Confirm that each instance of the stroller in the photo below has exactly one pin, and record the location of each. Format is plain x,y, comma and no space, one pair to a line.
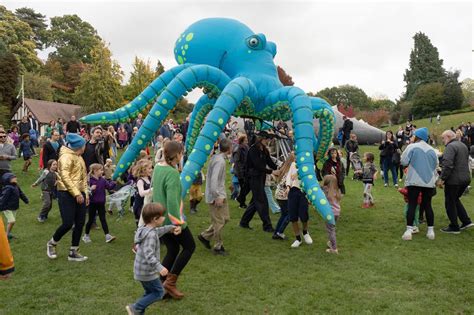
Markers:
120,197
356,165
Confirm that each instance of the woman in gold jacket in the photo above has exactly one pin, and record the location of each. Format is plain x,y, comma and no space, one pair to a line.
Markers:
73,198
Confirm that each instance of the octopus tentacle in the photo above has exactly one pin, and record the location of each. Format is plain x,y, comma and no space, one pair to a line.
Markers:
302,118
200,111
139,103
231,97
323,111
211,78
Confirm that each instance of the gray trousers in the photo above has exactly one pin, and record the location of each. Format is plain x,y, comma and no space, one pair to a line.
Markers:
47,197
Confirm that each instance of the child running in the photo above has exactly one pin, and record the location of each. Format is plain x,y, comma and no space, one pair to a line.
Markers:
142,172
281,196
10,200
98,186
47,180
333,194
369,175
147,267
27,150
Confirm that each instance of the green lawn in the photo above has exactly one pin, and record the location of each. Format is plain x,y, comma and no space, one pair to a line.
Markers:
375,272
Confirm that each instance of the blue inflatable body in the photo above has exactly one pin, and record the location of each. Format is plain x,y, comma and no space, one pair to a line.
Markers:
235,68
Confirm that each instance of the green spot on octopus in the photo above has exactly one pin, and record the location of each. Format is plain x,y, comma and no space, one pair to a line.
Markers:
189,37
215,133
220,121
305,169
157,113
186,46
323,201
329,217
187,178
122,166
307,154
302,159
164,101
103,117
180,60
140,142
183,52
143,136
207,147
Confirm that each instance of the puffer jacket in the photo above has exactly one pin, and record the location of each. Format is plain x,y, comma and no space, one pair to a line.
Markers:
72,172
455,164
11,194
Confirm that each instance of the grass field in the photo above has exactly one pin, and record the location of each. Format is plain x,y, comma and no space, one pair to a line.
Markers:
375,272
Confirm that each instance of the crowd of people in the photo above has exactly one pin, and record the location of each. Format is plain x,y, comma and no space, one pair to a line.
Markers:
77,165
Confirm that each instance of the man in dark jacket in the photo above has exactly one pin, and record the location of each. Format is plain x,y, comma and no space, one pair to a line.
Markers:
51,148
239,158
97,150
73,125
455,176
346,130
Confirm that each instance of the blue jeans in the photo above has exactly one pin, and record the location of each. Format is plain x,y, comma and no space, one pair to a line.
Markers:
284,217
389,165
153,292
271,202
236,191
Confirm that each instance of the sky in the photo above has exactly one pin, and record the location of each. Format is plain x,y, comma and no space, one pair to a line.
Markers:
320,44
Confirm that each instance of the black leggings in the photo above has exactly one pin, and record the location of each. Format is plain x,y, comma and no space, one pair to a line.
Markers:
426,195
174,260
72,214
100,209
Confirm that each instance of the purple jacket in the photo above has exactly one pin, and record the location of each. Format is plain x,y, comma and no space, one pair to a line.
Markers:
98,194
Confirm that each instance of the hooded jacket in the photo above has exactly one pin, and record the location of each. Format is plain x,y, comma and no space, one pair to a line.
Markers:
72,172
11,194
147,260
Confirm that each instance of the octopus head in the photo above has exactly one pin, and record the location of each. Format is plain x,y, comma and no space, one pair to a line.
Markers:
226,44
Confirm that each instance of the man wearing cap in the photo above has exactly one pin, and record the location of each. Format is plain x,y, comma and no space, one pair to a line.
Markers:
73,198
97,150
421,160
455,176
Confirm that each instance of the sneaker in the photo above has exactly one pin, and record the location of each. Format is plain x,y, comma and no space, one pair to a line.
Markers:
130,309
243,206
296,244
110,211
407,236
86,239
307,239
466,226
51,250
364,206
396,185
385,185
269,230
109,238
450,230
75,256
415,230
221,251
279,236
328,244
10,236
332,251
193,211
41,219
430,234
204,242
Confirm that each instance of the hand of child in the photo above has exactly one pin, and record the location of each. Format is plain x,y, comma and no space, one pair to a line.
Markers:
93,187
164,272
219,202
177,230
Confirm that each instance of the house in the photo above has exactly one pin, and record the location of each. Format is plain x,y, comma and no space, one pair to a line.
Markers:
45,111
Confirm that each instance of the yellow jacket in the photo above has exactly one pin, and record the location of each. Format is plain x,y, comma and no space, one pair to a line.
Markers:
72,172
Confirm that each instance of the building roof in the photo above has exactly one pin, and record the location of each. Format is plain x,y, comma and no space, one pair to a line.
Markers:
45,111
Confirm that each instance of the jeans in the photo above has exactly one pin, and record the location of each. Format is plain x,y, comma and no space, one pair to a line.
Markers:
153,292
271,202
236,191
389,165
284,217
72,214
454,207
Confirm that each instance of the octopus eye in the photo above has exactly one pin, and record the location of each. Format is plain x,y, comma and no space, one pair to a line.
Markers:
253,42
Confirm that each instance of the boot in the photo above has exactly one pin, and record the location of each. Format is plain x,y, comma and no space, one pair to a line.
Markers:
192,205
170,286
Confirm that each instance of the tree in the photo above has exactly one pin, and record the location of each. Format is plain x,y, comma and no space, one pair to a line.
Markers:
453,95
73,39
468,91
37,22
9,73
425,65
382,104
19,40
99,88
159,69
428,99
38,87
284,77
346,95
141,76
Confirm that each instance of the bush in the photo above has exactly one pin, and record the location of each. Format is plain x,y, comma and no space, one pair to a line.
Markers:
375,118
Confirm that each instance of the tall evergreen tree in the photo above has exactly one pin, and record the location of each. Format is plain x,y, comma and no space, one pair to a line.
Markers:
425,65
453,94
37,22
9,73
99,88
141,76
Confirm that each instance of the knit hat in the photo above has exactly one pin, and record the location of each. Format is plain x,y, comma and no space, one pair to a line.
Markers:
422,133
7,177
75,141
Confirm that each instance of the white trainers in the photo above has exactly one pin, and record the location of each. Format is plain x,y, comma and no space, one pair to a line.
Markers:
415,230
407,235
109,238
296,244
86,239
307,239
430,234
396,185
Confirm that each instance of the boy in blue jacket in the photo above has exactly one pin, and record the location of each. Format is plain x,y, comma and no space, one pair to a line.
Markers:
10,200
